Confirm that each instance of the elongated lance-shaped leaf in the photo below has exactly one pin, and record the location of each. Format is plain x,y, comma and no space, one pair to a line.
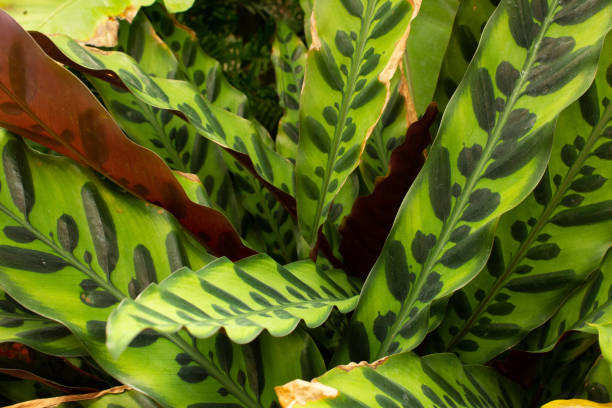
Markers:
20,325
289,59
32,86
469,23
492,148
199,68
220,126
389,133
540,254
349,68
243,298
181,146
427,44
436,380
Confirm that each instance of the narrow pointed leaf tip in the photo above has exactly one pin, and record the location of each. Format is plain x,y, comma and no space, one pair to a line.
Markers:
243,298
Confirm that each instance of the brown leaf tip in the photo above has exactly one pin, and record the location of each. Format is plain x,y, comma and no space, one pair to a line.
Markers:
350,366
299,393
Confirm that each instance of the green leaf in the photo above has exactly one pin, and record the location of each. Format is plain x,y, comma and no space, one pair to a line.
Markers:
461,210
540,253
289,59
404,380
224,128
427,45
18,324
243,298
349,68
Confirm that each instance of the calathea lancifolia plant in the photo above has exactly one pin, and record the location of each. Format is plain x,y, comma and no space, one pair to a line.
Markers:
153,234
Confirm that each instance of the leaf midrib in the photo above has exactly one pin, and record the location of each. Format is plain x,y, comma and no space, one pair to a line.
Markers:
542,221
475,176
344,109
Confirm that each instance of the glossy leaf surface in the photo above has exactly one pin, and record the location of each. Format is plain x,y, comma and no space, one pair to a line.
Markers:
540,254
490,152
32,86
243,298
349,66
437,380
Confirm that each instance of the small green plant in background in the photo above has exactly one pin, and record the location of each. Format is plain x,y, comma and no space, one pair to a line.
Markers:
256,212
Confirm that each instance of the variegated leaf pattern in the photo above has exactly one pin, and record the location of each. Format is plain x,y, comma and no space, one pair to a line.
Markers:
222,127
289,59
199,68
427,44
469,22
178,142
389,133
243,298
490,152
349,67
20,325
540,253
436,380
598,382
84,249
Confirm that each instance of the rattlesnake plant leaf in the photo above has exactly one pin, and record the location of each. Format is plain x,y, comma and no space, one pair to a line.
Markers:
199,68
349,67
365,229
437,380
491,150
243,298
226,129
93,247
176,141
427,45
14,390
469,23
18,324
389,133
598,382
540,255
306,6
32,86
289,59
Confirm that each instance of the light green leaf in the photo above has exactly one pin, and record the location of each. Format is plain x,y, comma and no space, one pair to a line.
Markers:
18,324
436,380
491,150
243,298
427,44
289,59
350,63
540,254
222,127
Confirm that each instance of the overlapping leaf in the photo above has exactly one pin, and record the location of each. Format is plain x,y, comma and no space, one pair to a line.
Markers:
351,61
540,253
222,127
289,58
20,325
437,380
490,152
427,44
243,298
33,88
